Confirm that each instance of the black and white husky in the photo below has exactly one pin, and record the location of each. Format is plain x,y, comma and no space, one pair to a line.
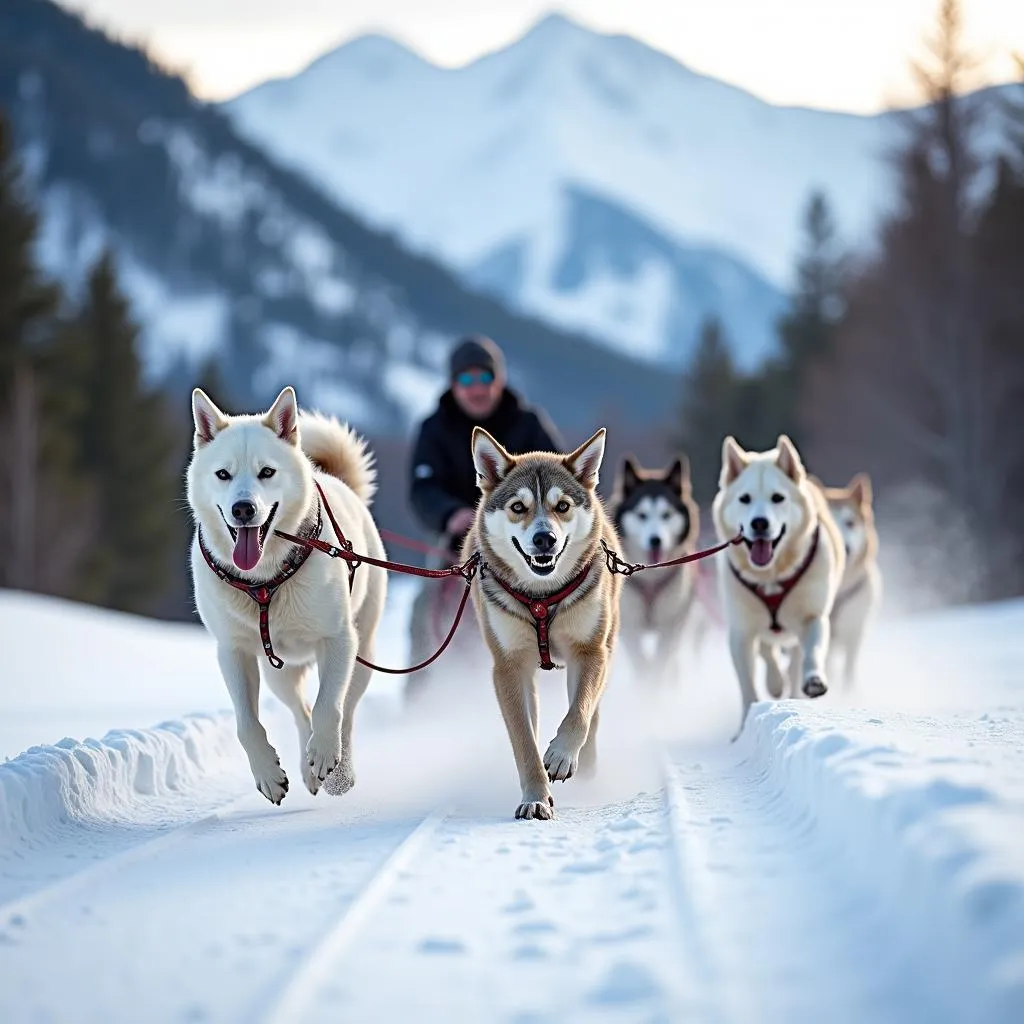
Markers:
657,520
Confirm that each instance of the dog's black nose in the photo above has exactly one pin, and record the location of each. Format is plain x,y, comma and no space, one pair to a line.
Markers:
243,511
759,524
544,541
655,543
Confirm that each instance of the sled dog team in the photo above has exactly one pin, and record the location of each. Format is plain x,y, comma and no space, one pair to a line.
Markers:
798,584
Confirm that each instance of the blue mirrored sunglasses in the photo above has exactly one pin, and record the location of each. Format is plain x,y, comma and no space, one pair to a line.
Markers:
470,377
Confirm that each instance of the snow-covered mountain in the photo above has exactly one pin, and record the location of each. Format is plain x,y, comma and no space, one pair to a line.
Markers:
692,189
228,257
617,276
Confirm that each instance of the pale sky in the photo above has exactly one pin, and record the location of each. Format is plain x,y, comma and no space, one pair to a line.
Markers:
835,54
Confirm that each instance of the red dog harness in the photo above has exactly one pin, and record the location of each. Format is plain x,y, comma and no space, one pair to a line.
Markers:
542,609
263,593
773,601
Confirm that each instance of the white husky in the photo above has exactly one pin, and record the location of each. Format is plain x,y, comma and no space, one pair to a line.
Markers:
778,586
250,476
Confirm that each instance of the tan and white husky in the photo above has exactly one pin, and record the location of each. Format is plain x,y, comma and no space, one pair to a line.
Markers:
250,476
544,595
779,584
860,592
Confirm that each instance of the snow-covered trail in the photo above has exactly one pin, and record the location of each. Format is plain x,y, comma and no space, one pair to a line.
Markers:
698,903
723,895
720,898
847,860
209,925
782,930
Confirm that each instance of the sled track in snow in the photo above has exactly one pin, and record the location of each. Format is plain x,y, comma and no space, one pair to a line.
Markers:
300,993
20,908
776,913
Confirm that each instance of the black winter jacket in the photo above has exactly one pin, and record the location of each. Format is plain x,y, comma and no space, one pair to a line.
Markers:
443,476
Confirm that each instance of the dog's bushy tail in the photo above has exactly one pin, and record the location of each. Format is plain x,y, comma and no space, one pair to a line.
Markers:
336,449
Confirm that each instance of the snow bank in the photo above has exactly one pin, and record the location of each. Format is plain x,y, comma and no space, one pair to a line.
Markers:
48,788
74,670
930,810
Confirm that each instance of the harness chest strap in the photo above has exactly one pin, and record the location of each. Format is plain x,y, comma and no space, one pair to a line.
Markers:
540,609
773,601
263,593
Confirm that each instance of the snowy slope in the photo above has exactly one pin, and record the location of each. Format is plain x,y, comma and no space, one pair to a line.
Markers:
228,257
78,671
851,859
614,275
706,161
465,163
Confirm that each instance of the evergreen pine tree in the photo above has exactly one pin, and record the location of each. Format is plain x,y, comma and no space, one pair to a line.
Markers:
127,445
179,593
807,329
44,502
211,380
27,302
707,414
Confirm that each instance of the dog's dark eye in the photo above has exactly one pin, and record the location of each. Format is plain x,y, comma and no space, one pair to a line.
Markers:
562,507
223,474
744,499
778,499
666,515
266,473
517,508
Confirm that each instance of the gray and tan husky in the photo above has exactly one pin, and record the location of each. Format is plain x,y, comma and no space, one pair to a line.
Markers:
544,595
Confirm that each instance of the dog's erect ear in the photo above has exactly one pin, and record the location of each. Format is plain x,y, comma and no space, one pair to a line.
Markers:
789,460
860,489
630,476
492,462
283,416
734,461
209,420
677,476
585,462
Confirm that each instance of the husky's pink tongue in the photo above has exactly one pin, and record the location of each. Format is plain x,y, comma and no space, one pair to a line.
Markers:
247,548
760,552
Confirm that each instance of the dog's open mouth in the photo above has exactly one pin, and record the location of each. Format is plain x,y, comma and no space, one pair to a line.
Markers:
541,565
762,549
249,541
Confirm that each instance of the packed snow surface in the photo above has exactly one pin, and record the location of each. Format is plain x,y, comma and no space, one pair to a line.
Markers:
851,859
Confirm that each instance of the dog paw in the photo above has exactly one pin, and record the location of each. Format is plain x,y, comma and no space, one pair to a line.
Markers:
814,686
341,780
561,760
322,754
542,810
312,783
272,782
